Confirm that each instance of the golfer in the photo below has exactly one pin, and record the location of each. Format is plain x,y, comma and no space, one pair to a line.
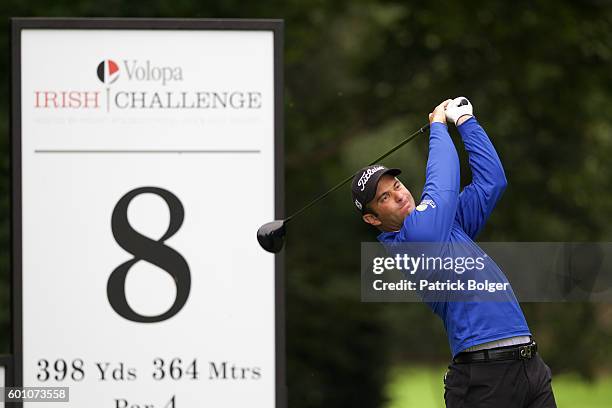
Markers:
495,361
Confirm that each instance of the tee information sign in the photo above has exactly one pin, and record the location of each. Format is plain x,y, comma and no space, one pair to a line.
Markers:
145,155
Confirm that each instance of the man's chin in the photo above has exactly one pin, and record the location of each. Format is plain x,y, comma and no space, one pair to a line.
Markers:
404,214
399,218
407,211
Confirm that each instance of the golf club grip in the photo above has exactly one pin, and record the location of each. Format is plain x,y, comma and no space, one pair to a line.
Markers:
423,129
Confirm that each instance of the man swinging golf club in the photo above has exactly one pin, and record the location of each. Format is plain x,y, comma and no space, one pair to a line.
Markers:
495,362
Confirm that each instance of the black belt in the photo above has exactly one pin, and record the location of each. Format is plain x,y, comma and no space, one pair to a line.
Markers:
518,352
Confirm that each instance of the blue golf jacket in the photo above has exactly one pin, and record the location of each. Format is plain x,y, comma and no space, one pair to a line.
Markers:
454,218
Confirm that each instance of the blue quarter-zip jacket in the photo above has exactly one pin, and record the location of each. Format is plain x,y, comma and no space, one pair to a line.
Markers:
454,218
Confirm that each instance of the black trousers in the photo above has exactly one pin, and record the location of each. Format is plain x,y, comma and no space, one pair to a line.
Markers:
499,384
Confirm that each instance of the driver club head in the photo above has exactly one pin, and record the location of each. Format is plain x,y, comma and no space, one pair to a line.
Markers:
271,236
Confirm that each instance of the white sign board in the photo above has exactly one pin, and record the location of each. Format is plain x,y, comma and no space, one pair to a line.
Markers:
6,367
147,161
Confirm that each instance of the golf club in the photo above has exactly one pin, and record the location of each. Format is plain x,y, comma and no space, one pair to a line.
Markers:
271,235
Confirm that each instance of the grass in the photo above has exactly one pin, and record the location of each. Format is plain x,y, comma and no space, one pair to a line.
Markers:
416,386
422,387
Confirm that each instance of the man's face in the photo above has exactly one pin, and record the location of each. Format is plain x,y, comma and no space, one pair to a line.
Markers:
391,204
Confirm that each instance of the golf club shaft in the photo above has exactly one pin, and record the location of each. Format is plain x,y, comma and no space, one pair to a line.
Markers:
349,178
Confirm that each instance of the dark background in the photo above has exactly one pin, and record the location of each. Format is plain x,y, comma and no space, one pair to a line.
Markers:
360,76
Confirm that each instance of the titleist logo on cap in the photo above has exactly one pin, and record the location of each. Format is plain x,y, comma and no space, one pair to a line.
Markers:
366,176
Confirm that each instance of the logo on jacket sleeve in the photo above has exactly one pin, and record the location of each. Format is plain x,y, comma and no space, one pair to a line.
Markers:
424,204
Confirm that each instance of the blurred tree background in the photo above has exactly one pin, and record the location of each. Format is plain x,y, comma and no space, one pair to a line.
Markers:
360,76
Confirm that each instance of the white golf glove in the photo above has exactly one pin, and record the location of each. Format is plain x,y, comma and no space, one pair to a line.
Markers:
457,108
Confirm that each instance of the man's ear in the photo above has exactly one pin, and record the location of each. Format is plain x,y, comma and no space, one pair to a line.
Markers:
371,219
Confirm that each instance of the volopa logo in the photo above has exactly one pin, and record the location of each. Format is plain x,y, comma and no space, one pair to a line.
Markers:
108,71
134,70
